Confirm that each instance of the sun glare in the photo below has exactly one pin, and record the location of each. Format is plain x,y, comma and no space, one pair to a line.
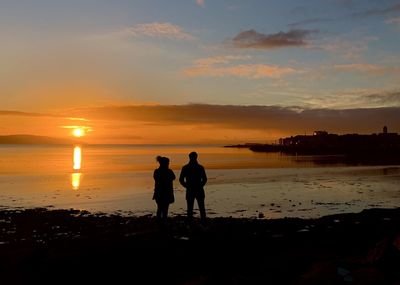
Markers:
78,132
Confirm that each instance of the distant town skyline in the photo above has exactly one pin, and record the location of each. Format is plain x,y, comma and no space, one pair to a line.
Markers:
198,71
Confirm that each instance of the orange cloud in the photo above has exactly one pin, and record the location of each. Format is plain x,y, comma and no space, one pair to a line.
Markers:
158,30
216,67
366,68
348,48
200,2
86,129
393,21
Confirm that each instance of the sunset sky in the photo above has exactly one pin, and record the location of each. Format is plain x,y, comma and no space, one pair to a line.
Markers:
198,71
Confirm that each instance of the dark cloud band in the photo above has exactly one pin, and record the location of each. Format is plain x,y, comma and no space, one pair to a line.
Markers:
254,39
291,120
395,9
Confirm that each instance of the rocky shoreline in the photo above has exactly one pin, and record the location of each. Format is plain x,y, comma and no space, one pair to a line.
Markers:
64,246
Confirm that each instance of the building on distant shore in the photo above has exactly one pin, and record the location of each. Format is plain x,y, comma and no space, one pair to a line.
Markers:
322,140
320,133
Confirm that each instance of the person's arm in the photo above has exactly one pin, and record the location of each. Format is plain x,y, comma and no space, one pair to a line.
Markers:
155,184
204,176
182,177
173,175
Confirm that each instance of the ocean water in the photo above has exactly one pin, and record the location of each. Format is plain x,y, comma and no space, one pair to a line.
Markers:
118,179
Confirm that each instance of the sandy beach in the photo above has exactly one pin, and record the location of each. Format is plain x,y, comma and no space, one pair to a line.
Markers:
69,246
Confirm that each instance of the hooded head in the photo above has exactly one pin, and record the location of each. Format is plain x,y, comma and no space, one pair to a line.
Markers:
163,161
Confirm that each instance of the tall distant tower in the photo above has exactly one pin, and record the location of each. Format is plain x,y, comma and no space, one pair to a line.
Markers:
385,130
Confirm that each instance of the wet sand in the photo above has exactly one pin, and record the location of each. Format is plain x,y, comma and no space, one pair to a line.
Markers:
241,184
240,193
40,246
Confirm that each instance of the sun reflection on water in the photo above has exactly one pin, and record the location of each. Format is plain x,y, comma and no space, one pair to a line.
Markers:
77,164
76,180
77,158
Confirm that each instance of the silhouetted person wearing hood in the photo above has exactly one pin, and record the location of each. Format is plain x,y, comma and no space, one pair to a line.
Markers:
193,177
163,189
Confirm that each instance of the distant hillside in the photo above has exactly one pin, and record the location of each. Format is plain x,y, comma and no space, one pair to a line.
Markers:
31,139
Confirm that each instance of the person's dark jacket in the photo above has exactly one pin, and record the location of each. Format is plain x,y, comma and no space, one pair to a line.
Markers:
163,188
193,177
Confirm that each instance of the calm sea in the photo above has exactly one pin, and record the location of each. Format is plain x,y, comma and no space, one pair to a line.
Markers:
110,178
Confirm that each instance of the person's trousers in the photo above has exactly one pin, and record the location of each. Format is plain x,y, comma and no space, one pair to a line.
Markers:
190,205
162,212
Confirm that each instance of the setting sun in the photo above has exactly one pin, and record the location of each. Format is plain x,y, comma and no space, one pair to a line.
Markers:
78,132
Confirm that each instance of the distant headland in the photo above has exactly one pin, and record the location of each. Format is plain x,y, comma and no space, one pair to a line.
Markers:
322,142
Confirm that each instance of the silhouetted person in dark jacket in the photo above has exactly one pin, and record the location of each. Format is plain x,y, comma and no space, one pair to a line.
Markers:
163,189
193,177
